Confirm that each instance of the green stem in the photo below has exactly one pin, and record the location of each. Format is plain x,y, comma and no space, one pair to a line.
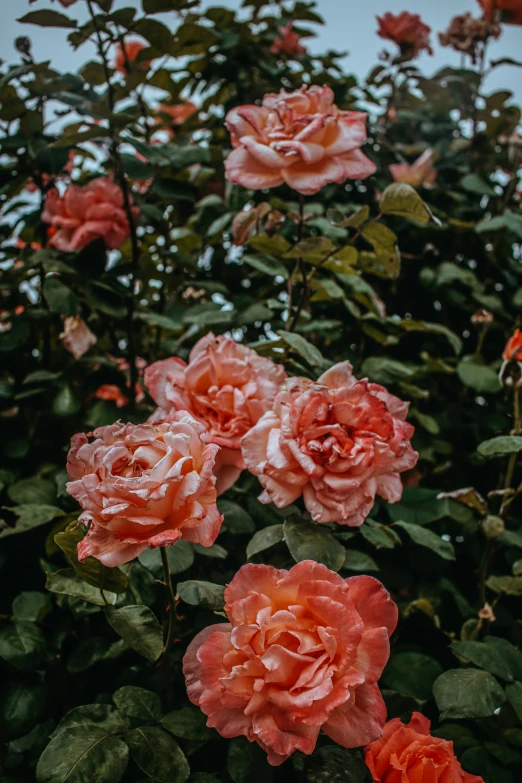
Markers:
169,619
292,319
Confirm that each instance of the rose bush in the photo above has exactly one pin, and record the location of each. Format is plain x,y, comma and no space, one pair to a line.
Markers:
227,264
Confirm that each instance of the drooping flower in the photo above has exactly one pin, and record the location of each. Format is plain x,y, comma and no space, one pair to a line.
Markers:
338,442
467,34
125,57
407,753
407,30
421,173
226,386
76,336
300,138
289,42
302,651
513,350
506,11
85,213
143,486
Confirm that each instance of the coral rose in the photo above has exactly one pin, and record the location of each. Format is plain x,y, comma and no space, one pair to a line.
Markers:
126,55
76,336
302,651
300,138
179,112
513,350
407,753
288,42
407,30
420,173
507,11
83,214
143,486
338,442
226,386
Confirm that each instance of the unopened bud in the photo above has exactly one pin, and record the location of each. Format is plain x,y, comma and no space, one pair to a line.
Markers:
23,44
492,526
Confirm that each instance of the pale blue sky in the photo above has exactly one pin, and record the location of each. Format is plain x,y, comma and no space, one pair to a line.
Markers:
349,26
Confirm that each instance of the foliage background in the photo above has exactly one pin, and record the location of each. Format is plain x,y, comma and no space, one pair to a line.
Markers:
402,317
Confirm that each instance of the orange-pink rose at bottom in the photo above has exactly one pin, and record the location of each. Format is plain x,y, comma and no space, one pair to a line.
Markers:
143,486
302,651
408,753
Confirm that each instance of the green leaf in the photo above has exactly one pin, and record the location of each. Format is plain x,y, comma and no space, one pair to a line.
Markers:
188,723
467,693
269,266
484,656
30,516
514,694
306,350
66,403
104,298
384,243
264,539
475,183
198,593
246,762
48,19
510,654
88,653
22,645
381,536
91,570
313,250
139,628
480,377
83,755
138,702
180,557
33,490
103,716
67,582
31,605
412,673
60,298
359,561
307,541
332,764
500,446
508,585
403,200
22,703
216,550
424,537
158,754
157,34
236,518
383,370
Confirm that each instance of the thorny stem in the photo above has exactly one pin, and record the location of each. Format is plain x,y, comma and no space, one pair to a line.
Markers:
124,185
292,319
169,635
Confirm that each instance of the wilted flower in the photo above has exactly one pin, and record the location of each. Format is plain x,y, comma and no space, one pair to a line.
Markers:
407,30
288,42
300,138
77,337
466,34
421,173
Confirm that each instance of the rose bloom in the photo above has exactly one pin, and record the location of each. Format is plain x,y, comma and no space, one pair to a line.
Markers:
143,486
421,173
513,350
466,34
76,336
407,753
406,30
288,42
226,386
85,213
179,112
300,138
509,11
124,58
302,651
338,442
111,393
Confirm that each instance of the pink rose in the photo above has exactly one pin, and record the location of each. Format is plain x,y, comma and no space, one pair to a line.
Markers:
300,138
226,386
407,30
407,753
288,42
77,337
124,58
420,173
338,442
143,486
82,214
302,651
